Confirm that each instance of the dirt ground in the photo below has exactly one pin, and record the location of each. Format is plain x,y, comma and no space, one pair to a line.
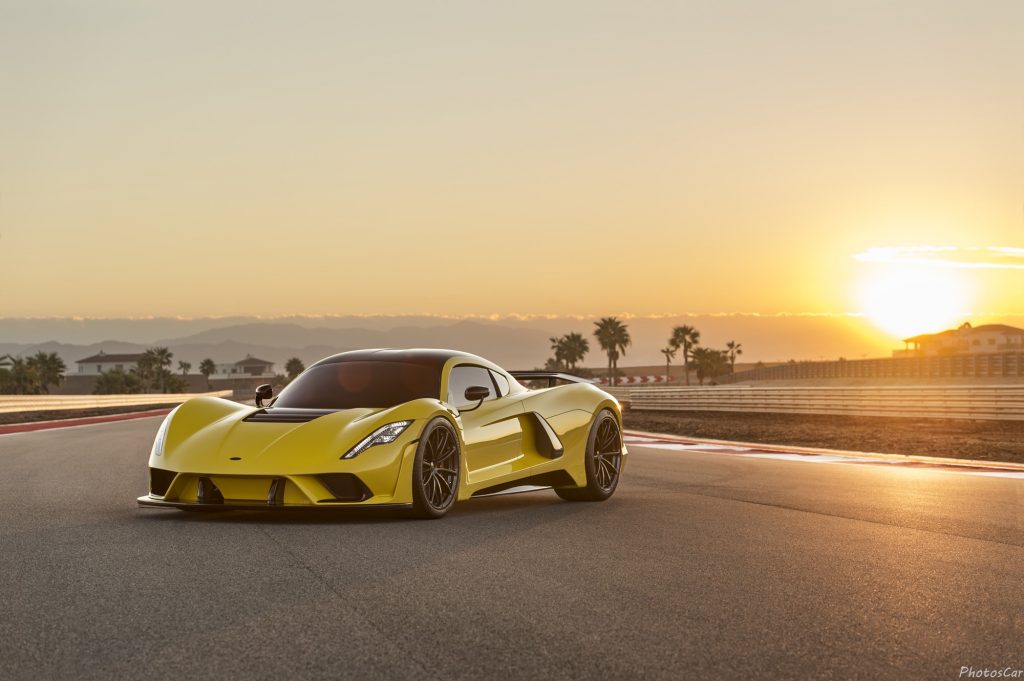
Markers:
983,440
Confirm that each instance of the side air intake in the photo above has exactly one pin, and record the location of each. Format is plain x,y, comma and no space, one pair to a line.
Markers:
160,481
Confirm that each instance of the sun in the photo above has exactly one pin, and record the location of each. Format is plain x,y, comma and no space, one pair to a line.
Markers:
911,300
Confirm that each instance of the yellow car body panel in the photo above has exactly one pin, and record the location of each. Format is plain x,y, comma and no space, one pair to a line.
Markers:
256,464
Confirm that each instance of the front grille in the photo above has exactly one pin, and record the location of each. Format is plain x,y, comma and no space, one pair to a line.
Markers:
345,487
285,415
160,480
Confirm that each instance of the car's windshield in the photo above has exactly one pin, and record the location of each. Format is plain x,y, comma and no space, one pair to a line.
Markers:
348,385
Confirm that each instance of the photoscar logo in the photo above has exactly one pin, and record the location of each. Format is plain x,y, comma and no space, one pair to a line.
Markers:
991,673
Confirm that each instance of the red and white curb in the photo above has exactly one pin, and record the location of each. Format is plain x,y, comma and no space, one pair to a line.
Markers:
828,456
639,380
11,428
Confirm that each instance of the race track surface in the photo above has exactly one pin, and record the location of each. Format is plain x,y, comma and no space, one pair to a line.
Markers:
703,565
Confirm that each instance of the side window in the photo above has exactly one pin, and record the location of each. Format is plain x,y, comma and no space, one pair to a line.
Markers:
502,383
463,377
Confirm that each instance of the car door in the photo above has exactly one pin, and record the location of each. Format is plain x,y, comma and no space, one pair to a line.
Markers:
492,431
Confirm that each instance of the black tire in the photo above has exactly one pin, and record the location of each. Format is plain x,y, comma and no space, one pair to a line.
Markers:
603,461
436,470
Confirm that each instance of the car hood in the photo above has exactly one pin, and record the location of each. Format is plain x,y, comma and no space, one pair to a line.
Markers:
207,433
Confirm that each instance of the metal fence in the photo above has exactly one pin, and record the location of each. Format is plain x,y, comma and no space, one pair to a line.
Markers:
966,402
14,403
981,365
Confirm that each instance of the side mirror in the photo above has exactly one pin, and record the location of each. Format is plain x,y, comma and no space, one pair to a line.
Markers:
476,393
263,392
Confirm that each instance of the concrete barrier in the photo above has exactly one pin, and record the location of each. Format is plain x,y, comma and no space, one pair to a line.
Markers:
15,403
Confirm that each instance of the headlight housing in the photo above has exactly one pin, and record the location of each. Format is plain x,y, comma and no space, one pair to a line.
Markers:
381,436
161,434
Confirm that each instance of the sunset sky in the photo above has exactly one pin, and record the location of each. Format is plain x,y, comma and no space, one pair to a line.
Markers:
467,158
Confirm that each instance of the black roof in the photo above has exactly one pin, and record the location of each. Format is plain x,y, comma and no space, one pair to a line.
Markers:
104,357
429,357
253,361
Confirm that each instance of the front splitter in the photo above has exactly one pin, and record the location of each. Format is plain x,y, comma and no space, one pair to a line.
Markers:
151,502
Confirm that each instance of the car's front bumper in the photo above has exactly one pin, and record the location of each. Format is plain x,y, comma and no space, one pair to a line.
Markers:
150,501
377,477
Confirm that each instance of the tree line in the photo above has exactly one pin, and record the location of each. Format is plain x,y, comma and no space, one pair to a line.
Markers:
44,371
613,337
151,374
34,375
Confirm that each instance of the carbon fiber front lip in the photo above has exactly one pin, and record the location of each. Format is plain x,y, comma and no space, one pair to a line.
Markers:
152,502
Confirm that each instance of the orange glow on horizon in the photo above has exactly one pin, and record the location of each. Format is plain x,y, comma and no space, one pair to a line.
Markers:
909,300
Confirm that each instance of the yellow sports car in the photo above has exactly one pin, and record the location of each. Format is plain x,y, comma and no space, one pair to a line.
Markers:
418,429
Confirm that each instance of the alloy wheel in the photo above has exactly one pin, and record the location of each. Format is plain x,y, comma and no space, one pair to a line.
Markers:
607,454
439,470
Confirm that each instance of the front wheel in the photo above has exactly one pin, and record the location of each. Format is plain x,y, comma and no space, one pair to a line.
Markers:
603,461
435,472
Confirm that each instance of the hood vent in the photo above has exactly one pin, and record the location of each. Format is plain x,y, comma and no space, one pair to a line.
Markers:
285,415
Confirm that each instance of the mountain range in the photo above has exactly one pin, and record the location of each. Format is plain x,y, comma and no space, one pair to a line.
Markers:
511,341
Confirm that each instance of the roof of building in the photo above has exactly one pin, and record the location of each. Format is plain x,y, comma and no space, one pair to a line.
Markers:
984,328
104,357
253,360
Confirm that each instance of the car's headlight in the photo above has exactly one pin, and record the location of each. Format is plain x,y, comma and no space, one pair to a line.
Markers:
381,436
161,435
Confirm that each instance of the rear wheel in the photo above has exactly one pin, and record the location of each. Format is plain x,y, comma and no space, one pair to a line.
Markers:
435,473
603,461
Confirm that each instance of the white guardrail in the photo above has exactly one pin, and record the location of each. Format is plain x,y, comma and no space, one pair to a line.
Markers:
13,403
949,402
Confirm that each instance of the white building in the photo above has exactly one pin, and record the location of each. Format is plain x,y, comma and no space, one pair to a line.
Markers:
965,340
245,368
6,362
102,363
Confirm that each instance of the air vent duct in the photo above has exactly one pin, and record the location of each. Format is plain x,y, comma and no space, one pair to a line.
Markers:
285,415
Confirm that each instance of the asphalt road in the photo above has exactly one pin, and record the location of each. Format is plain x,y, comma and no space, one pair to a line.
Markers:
700,566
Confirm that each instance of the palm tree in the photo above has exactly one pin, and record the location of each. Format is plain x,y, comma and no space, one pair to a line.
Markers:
670,353
574,348
709,363
143,371
687,338
163,358
294,367
558,347
207,368
613,337
117,382
153,370
49,369
24,380
733,348
184,367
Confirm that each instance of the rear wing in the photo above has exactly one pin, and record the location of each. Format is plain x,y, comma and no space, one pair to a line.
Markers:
553,378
